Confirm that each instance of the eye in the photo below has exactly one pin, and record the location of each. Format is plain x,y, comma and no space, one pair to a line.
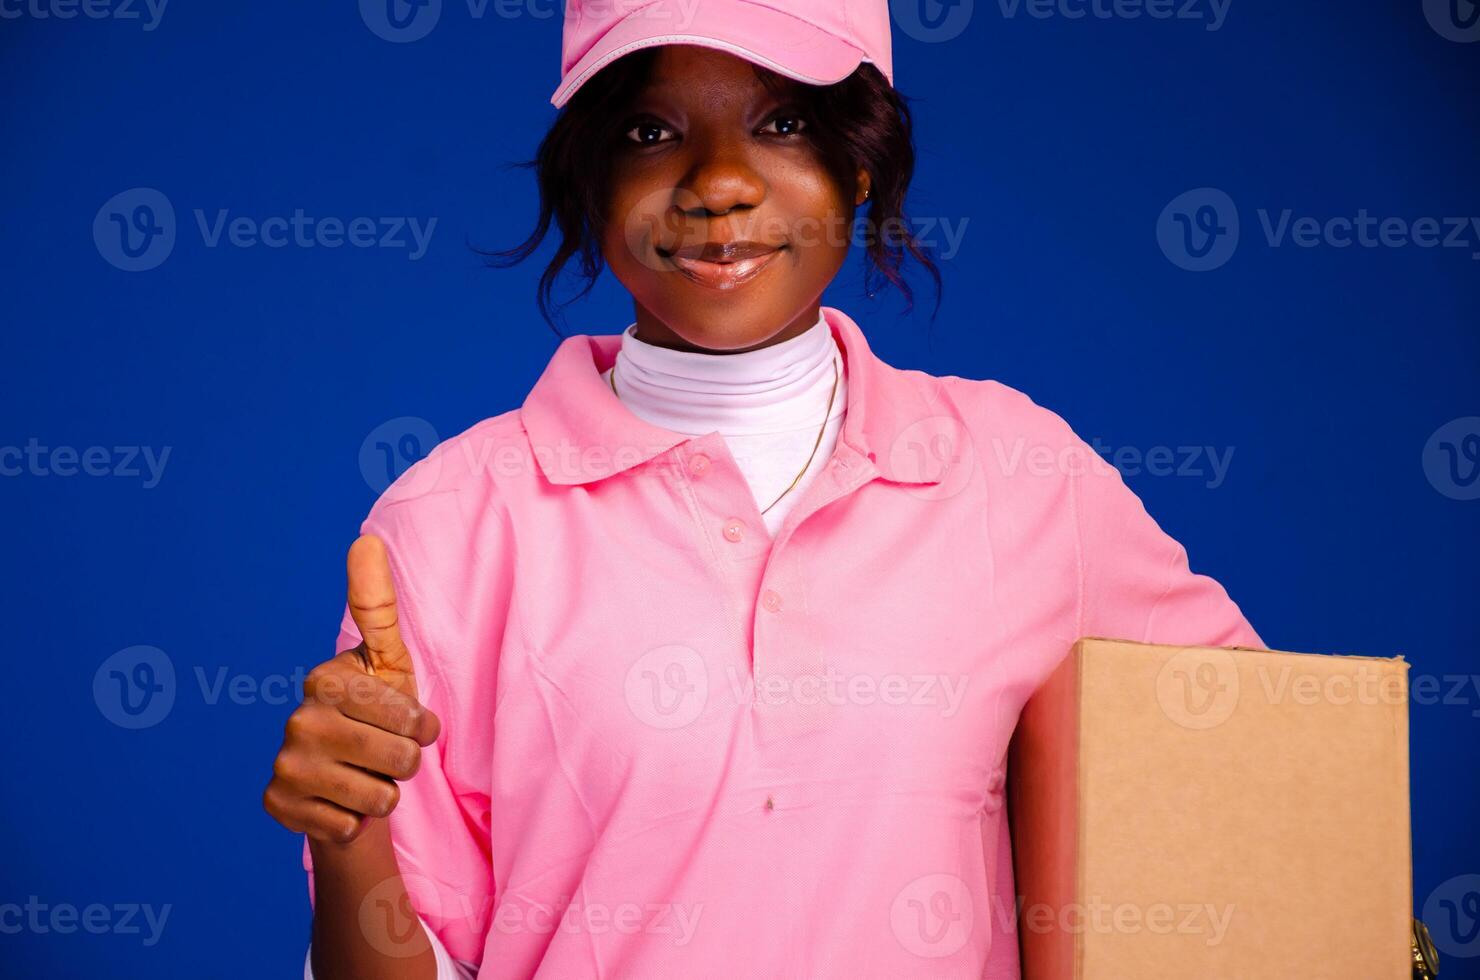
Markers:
647,133
786,124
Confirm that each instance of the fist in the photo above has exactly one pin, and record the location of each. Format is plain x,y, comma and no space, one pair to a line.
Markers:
360,728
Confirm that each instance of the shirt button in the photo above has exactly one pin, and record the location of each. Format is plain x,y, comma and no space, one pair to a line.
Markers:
771,600
699,464
734,530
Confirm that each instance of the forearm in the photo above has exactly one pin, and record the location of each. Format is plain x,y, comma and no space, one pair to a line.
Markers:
352,941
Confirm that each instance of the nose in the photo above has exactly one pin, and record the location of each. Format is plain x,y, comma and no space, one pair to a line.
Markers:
720,178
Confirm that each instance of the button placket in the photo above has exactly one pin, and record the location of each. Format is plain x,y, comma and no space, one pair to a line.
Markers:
726,506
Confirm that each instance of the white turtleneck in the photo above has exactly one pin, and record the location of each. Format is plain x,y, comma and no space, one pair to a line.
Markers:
767,404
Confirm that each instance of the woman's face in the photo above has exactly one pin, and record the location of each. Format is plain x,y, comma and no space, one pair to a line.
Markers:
723,222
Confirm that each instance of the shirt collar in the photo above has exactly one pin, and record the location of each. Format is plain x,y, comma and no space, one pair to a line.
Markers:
580,432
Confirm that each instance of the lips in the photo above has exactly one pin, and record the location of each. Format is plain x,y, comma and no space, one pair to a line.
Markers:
723,265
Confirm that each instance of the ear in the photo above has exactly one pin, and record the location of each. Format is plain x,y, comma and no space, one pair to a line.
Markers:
865,186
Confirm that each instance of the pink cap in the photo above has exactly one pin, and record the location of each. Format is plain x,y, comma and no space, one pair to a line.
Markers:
815,41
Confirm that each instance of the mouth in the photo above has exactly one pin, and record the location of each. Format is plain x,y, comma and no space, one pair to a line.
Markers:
723,265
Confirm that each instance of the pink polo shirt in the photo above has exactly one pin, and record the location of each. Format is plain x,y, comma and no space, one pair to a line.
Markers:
675,745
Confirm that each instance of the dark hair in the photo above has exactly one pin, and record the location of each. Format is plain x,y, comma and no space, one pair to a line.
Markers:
860,122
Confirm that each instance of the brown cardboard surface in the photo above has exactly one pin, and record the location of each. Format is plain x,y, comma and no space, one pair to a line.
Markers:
1213,813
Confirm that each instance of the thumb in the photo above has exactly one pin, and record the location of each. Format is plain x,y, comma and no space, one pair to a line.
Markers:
372,605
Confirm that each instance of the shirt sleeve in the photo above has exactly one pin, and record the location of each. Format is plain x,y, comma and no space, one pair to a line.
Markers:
440,828
1135,581
447,967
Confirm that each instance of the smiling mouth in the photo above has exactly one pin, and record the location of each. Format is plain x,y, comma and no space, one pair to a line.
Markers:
723,267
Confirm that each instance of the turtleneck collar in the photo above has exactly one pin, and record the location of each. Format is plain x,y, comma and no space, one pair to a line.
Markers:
775,389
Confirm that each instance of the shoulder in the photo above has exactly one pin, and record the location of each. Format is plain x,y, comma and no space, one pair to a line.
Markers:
448,511
1000,415
472,463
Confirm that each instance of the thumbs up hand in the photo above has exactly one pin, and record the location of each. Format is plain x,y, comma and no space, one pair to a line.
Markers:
360,727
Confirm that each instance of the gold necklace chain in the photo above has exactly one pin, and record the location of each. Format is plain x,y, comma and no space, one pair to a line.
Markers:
613,379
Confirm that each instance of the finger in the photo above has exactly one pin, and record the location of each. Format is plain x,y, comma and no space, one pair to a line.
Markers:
375,702
376,750
356,790
315,817
372,604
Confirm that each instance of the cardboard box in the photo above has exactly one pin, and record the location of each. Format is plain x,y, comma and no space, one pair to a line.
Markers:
1211,813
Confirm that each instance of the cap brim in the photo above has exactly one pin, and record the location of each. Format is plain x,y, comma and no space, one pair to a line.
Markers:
772,39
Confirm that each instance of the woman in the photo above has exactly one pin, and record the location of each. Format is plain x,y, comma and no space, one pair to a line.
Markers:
705,659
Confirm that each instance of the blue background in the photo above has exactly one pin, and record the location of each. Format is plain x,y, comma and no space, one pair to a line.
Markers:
1059,141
